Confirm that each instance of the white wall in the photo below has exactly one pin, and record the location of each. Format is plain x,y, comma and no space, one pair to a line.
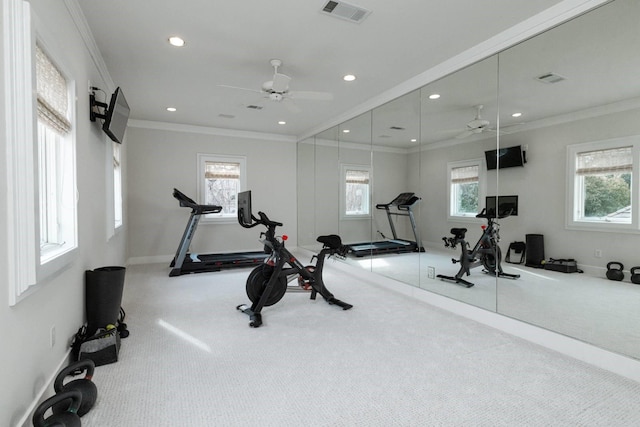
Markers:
28,362
161,160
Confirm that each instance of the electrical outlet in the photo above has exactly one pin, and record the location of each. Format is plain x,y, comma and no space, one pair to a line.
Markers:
597,253
52,336
431,272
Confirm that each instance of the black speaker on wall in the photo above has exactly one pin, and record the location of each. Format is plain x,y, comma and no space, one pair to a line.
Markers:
535,250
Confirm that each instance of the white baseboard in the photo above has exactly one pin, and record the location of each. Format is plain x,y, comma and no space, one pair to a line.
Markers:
41,396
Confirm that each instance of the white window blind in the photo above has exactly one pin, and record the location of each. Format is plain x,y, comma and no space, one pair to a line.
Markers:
222,170
53,99
617,160
464,175
357,177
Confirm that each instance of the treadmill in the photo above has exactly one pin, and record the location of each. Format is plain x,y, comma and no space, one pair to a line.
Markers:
188,263
403,206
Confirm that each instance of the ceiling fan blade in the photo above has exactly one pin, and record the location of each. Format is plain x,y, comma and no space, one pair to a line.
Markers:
280,82
291,106
315,96
240,88
465,134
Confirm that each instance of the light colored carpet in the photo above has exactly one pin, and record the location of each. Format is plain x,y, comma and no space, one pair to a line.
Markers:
192,360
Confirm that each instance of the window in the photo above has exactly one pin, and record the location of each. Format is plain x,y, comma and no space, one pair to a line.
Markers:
464,188
220,179
355,191
117,185
602,178
56,161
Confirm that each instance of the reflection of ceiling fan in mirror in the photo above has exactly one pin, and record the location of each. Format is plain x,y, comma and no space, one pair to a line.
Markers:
480,125
277,90
477,125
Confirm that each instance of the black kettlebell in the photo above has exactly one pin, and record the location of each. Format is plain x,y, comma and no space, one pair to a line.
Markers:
85,386
635,277
614,271
67,418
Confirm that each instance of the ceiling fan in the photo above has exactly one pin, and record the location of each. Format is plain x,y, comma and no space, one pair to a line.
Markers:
277,89
477,125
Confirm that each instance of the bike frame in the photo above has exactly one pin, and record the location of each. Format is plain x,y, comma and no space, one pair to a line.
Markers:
281,257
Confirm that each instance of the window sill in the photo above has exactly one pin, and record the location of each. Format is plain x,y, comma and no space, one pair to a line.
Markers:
55,262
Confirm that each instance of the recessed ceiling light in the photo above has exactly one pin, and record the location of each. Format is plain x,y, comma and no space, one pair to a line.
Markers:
414,140
349,78
172,109
345,131
434,96
516,115
282,122
176,41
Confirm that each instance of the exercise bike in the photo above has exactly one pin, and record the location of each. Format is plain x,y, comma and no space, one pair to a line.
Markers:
267,283
486,252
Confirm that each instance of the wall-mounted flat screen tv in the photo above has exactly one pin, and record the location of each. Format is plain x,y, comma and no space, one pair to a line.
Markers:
116,116
507,157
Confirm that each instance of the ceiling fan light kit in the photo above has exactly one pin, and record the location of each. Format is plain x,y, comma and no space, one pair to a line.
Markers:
277,89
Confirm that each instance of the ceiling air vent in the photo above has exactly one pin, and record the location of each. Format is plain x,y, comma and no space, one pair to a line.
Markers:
254,107
342,10
396,128
550,78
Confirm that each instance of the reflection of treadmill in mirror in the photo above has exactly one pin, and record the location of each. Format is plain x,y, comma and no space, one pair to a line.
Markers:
404,204
186,263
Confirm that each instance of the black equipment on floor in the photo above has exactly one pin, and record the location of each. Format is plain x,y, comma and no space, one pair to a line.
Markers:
615,271
486,252
404,204
187,263
535,250
68,418
267,283
84,385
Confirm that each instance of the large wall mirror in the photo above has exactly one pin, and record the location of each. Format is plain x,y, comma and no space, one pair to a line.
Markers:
577,90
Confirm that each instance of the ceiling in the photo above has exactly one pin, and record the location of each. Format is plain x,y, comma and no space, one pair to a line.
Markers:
231,43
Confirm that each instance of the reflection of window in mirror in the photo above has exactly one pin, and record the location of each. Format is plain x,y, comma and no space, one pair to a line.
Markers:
355,198
466,188
601,176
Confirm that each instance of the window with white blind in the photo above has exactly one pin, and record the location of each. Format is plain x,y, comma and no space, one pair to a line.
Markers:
464,188
603,184
356,189
56,160
117,184
220,179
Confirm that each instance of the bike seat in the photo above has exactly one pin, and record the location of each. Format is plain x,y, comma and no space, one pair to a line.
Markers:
331,241
459,232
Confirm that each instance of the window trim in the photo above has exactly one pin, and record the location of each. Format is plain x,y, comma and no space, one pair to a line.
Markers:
344,167
572,199
481,164
202,158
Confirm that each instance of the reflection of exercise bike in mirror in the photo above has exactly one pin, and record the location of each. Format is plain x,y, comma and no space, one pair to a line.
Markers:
486,252
267,283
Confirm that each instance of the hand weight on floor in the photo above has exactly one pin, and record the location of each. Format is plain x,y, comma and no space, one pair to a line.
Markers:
614,271
87,388
635,277
67,418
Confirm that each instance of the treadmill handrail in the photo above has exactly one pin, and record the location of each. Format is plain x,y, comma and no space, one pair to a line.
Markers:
187,202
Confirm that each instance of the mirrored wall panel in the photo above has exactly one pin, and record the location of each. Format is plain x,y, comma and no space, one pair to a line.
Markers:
543,141
576,92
